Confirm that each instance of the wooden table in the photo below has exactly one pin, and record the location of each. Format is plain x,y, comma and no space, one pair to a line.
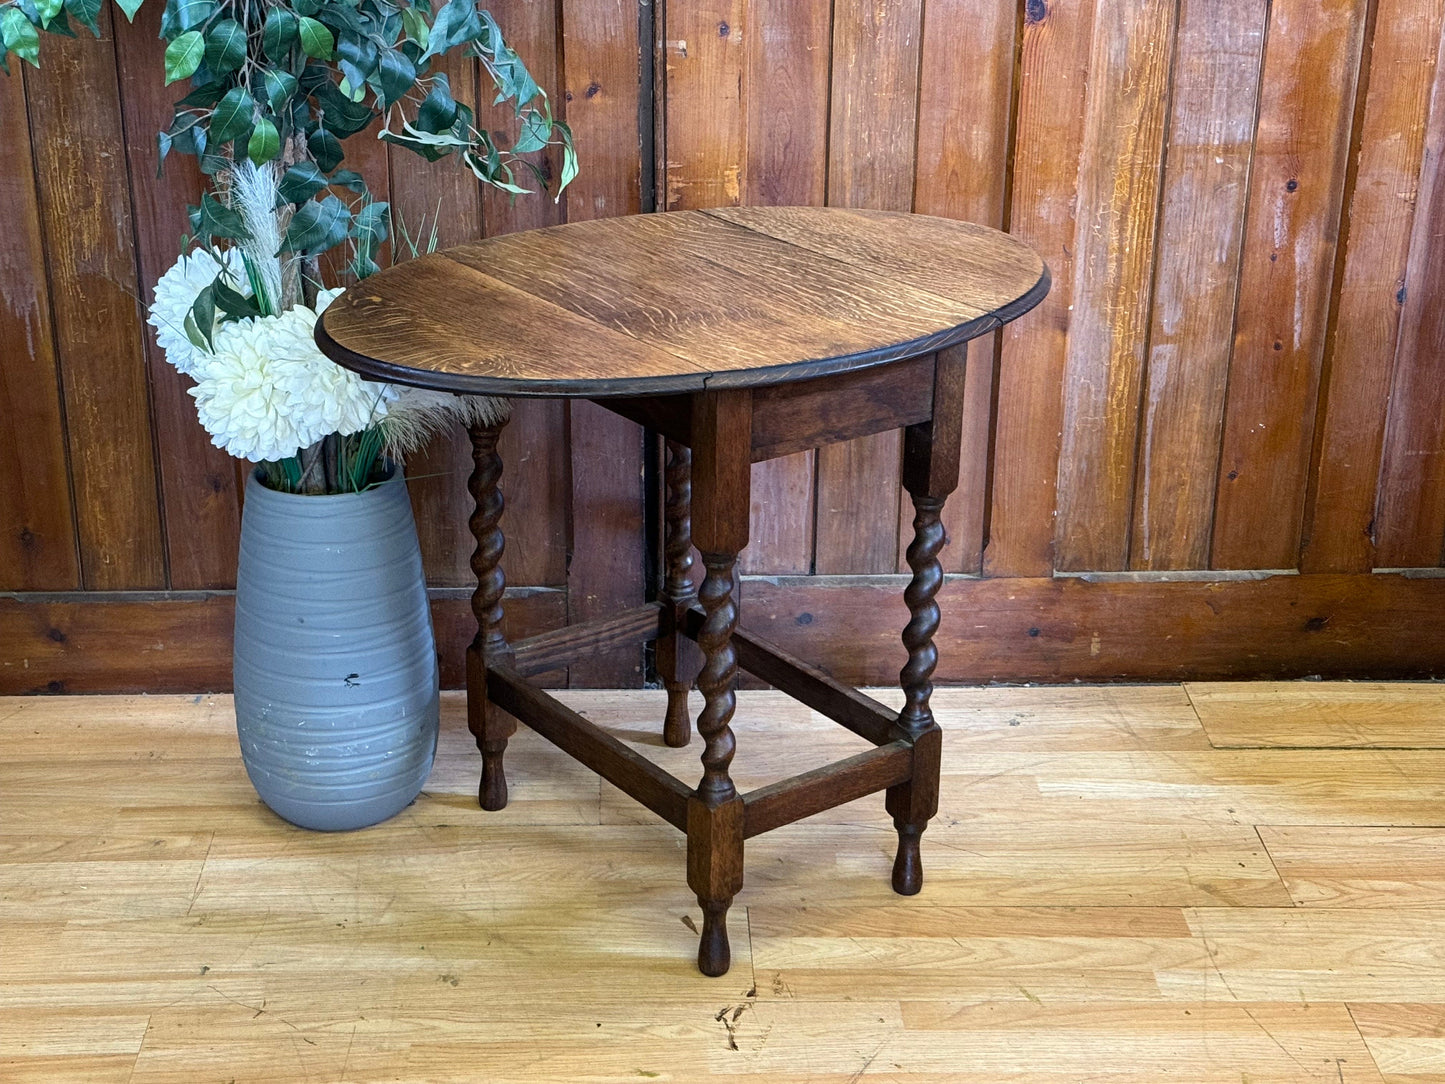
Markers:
740,335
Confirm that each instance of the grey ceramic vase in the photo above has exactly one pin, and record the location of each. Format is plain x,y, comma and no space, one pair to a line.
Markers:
335,661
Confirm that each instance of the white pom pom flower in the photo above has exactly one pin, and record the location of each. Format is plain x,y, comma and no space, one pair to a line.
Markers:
268,391
177,291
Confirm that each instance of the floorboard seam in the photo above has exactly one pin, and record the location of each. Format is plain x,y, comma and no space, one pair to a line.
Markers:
1274,866
1350,1012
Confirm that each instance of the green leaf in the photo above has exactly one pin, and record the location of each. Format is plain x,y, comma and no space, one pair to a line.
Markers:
265,142
183,56
438,111
19,36
397,75
536,130
193,332
47,10
233,303
317,226
225,47
203,97
454,24
569,156
279,86
60,25
346,178
316,40
301,182
306,7
130,7
187,133
343,116
85,12
201,319
279,33
371,224
325,148
218,220
182,15
356,56
233,116
416,26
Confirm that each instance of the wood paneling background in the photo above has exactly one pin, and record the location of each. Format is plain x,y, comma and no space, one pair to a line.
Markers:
1239,375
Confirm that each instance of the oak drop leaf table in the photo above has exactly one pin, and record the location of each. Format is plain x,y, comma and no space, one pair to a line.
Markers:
740,335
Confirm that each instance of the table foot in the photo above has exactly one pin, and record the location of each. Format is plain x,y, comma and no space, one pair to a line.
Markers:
677,725
908,865
492,794
714,954
714,873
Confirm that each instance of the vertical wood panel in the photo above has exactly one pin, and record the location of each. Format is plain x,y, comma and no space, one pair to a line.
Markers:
1196,278
1411,521
707,126
37,529
872,130
600,100
1340,512
1114,252
198,480
786,94
1053,74
86,216
1306,105
964,99
607,551
531,29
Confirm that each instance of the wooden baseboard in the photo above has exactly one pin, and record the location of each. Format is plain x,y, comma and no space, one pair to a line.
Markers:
1106,628
1109,628
130,642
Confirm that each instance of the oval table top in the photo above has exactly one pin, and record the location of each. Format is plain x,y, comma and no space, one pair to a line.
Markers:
676,302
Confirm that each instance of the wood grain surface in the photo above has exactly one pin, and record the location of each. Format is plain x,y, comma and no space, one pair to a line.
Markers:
1340,512
1196,279
1297,181
200,485
87,224
1052,82
1119,184
1410,522
37,525
676,301
1110,900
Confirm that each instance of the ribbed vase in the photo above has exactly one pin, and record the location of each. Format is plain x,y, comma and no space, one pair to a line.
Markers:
335,662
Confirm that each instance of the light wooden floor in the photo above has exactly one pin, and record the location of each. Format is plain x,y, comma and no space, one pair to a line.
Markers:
1232,883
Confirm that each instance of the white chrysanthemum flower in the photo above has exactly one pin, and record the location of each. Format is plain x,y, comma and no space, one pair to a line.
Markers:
177,291
268,391
334,399
243,395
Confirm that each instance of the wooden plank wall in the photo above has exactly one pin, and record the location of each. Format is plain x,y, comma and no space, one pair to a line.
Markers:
1238,372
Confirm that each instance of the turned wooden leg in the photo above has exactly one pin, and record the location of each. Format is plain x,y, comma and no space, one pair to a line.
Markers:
715,813
488,723
722,437
930,474
912,804
677,656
